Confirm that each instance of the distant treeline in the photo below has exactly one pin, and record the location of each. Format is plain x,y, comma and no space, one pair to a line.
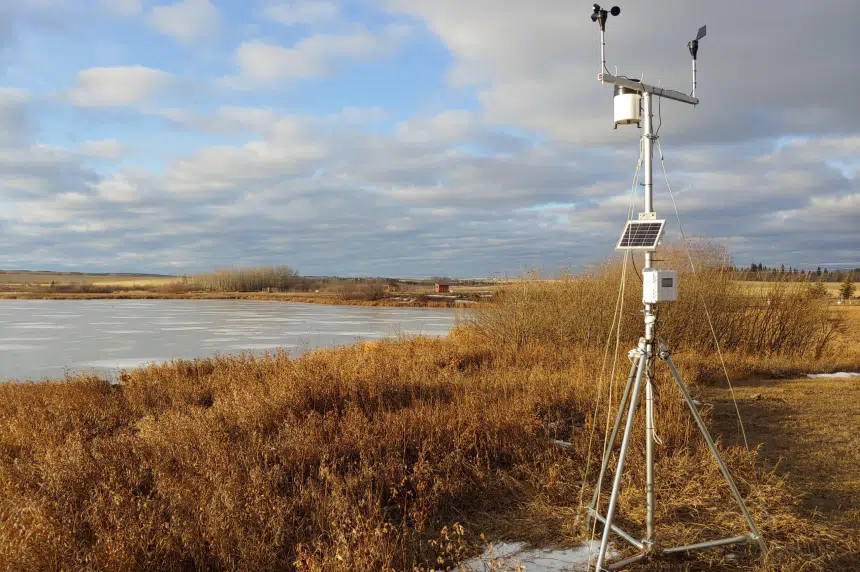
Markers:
760,272
286,279
280,278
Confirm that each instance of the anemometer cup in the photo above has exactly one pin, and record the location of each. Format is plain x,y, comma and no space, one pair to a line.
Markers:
600,15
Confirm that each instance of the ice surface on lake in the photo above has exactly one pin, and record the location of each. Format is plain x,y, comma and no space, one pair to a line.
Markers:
48,338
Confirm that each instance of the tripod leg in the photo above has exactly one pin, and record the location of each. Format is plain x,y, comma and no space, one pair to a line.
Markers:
614,435
706,434
649,455
625,441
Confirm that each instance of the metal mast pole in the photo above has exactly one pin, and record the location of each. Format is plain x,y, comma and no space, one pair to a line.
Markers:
650,319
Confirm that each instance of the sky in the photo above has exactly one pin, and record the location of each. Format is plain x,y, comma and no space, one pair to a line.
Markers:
464,138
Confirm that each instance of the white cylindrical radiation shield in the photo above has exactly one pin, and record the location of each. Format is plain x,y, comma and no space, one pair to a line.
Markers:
627,106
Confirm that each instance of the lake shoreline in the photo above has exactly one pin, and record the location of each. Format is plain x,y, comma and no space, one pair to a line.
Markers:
48,339
422,301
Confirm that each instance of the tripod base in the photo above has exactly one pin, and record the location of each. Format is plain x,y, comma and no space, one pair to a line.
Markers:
646,553
643,356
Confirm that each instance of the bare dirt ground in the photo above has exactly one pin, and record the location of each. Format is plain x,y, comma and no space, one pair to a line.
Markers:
807,429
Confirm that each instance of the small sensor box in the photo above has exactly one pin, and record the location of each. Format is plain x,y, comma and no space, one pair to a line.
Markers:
659,286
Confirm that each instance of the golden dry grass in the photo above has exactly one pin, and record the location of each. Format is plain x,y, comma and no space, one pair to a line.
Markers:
757,286
391,455
24,279
816,442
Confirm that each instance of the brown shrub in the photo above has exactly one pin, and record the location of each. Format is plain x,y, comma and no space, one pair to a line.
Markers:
783,320
367,291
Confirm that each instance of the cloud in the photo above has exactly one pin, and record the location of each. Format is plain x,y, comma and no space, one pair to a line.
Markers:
13,96
117,86
339,200
15,123
123,8
103,148
302,12
117,188
263,62
536,69
495,157
187,21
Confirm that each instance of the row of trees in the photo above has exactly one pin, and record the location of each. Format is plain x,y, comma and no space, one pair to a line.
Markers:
280,278
758,271
285,279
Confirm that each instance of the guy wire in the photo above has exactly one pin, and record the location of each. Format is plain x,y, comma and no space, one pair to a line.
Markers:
704,304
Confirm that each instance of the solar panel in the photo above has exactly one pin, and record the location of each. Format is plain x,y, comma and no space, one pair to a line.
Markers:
640,235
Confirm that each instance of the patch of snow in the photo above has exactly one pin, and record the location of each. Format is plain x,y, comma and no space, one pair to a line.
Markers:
837,374
509,556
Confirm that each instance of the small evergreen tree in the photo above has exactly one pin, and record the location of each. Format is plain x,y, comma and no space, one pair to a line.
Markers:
817,291
846,291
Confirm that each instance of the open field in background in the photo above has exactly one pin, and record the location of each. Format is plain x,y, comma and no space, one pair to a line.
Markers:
279,283
372,292
17,279
759,287
399,455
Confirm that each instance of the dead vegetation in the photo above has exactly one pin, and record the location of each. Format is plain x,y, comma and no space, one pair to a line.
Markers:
391,455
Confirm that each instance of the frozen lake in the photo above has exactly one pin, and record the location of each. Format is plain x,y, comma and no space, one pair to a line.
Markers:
47,338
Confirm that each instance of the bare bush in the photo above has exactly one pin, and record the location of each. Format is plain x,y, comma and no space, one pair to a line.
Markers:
365,290
281,278
577,310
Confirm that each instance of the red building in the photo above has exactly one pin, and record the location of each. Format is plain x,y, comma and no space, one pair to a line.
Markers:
443,288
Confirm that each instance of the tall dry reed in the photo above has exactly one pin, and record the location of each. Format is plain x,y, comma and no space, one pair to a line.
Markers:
782,320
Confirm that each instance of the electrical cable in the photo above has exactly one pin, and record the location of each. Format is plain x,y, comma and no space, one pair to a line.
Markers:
616,326
616,312
638,275
704,304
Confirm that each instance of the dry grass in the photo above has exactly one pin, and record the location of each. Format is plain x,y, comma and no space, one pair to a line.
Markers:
817,441
759,287
373,457
41,279
783,321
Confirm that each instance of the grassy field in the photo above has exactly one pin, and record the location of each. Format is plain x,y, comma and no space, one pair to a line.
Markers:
400,455
72,286
805,429
20,279
762,287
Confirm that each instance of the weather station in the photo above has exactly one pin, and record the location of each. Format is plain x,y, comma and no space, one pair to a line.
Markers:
633,106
